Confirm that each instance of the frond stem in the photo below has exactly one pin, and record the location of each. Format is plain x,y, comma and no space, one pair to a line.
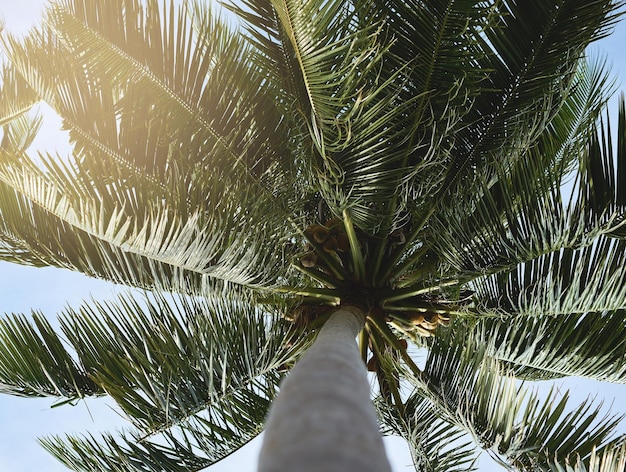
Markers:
355,247
380,324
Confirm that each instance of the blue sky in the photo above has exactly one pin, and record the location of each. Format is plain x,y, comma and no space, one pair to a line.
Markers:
49,290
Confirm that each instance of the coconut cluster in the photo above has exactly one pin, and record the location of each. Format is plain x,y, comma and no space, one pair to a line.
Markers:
330,237
425,323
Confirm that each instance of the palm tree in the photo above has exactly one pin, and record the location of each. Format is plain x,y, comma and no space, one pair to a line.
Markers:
433,177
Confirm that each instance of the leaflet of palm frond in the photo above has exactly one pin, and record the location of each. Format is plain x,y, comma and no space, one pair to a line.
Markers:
16,96
48,369
603,460
600,200
384,364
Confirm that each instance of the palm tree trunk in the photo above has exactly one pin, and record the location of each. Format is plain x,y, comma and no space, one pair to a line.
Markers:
323,419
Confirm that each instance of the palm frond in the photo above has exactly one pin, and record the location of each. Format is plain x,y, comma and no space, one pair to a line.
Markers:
506,123
525,226
198,443
520,211
443,78
34,236
220,246
18,115
158,56
198,375
170,358
524,214
435,445
590,345
535,50
349,117
560,283
519,429
144,180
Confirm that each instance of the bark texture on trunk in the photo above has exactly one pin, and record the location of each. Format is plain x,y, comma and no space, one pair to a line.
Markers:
323,419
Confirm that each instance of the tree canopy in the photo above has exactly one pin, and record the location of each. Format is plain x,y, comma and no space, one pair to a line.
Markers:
442,164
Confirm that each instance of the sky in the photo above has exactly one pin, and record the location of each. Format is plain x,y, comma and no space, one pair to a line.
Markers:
23,289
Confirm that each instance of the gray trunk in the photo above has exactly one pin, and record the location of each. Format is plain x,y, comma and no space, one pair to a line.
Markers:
323,419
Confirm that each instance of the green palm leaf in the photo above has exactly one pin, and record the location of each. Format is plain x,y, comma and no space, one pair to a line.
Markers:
520,41
435,444
111,209
589,345
32,235
346,109
607,460
524,214
476,394
173,366
48,371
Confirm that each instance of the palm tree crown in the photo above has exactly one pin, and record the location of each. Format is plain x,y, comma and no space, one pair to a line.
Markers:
441,165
